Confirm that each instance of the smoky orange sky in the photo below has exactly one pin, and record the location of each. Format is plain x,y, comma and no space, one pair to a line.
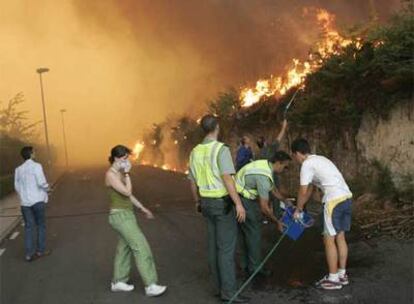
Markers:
118,66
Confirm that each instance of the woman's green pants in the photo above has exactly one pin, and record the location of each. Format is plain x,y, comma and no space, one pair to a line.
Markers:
132,242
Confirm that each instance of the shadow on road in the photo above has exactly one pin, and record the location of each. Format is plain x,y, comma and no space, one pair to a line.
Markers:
80,268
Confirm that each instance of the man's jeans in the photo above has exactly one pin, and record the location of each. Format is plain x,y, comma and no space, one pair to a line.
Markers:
34,219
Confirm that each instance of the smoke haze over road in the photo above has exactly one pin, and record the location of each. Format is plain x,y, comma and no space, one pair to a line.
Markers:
117,66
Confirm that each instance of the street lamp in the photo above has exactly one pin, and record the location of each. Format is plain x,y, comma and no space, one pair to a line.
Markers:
40,71
62,111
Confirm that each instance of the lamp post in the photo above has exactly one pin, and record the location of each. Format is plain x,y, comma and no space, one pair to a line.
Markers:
62,111
40,71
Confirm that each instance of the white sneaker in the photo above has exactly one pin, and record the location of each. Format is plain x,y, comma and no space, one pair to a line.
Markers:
155,290
344,279
121,286
327,284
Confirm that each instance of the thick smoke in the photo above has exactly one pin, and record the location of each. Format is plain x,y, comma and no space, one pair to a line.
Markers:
117,66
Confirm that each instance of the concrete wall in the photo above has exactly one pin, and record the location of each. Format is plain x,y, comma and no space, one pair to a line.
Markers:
390,141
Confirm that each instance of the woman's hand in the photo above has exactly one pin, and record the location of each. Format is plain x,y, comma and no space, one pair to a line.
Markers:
127,166
148,214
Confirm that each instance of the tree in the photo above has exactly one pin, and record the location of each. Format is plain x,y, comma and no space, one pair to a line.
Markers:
14,122
186,135
226,104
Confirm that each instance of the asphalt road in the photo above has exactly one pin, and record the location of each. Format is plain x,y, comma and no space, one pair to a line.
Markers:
80,267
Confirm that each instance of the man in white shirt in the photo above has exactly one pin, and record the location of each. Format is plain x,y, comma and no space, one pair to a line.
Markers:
321,172
31,185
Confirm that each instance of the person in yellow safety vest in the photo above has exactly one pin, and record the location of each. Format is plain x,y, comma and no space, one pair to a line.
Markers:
254,182
214,191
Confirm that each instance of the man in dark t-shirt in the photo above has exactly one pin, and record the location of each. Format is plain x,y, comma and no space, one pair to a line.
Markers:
267,150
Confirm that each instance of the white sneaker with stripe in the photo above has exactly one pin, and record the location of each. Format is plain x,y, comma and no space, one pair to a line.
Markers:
327,284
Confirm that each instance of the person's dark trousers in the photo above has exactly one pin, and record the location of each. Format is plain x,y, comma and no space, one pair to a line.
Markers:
34,221
251,236
222,240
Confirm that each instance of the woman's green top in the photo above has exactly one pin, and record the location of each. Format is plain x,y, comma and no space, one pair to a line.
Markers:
119,201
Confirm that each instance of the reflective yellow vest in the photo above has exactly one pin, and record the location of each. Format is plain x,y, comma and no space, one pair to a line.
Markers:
258,167
205,170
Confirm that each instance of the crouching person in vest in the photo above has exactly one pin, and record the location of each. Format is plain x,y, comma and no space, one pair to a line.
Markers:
254,182
213,188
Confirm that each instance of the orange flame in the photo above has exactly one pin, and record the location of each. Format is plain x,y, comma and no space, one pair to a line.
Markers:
137,150
167,167
138,147
332,39
330,44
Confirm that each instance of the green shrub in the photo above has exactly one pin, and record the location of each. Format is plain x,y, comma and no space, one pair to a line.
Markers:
384,186
407,188
6,185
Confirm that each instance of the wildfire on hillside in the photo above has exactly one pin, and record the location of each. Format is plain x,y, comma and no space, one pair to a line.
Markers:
330,44
164,167
136,151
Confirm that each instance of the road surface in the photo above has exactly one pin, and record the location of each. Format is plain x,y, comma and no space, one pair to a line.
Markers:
80,267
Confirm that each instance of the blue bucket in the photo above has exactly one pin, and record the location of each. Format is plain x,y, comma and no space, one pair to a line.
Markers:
295,228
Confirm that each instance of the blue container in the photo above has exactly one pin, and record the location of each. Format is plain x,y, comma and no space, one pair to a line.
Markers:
295,228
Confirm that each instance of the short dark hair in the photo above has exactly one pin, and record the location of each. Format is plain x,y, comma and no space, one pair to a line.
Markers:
260,142
26,152
300,145
118,151
243,140
209,123
279,156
